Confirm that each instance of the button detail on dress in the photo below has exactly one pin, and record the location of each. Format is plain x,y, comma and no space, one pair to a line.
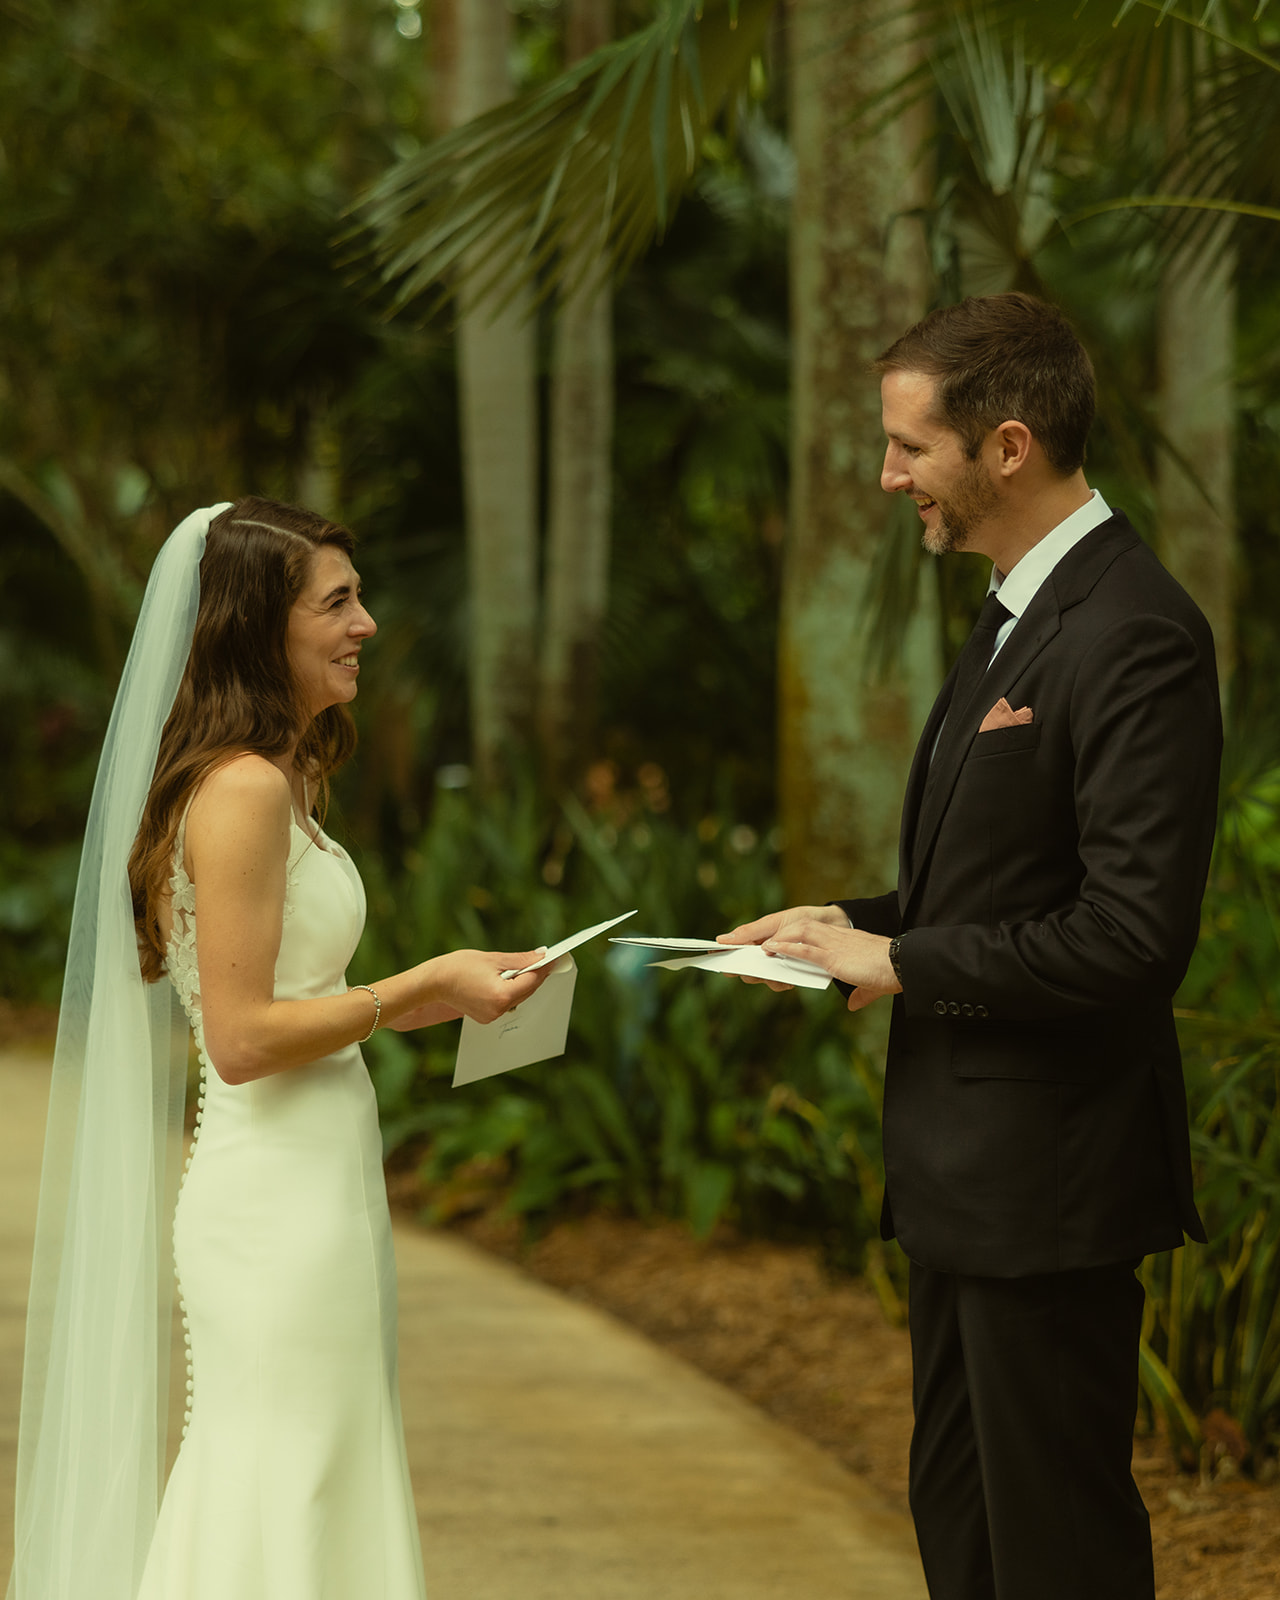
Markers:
940,1006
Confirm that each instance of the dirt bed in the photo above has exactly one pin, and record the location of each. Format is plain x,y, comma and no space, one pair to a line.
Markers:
819,1356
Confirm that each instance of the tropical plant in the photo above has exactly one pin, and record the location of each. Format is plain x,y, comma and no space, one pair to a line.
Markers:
597,158
682,1094
1212,1334
576,178
162,203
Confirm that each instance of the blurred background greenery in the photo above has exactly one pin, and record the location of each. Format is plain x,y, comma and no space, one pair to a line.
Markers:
649,634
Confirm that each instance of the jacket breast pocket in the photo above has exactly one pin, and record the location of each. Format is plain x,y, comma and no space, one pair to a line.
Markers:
1005,741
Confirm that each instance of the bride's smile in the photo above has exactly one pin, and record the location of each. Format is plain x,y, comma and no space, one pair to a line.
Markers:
327,629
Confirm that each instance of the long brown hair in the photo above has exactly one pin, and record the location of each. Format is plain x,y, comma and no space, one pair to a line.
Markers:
238,693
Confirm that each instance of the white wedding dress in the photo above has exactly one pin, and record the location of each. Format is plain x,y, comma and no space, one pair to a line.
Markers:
292,1481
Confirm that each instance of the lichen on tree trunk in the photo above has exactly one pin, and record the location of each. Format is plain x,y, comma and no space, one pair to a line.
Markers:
580,489
859,277
496,381
1195,508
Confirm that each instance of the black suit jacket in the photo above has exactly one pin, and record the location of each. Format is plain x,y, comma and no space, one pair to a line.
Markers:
1049,893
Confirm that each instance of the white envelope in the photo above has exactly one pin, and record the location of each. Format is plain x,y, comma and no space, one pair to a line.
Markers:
536,1030
752,961
571,943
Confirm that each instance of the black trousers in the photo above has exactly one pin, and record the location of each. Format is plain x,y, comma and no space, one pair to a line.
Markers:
1025,1393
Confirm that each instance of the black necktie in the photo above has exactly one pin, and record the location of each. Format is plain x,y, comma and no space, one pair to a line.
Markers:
972,666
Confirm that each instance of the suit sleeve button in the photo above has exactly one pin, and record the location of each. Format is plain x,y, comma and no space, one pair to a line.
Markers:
966,1011
981,1011
953,1008
940,1006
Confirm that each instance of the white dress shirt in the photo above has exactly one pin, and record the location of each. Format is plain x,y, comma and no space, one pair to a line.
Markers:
1018,588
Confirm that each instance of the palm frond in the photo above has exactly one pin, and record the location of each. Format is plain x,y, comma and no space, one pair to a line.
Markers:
559,187
1192,95
1176,202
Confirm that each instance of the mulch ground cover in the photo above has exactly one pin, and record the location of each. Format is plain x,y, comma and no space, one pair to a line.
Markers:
818,1354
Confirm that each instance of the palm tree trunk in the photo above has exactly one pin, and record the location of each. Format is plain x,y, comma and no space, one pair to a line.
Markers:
859,276
1195,478
581,471
1195,356
496,380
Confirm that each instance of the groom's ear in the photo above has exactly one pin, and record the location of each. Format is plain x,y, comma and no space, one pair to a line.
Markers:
1014,444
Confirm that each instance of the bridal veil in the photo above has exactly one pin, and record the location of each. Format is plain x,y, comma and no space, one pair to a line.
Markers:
91,1440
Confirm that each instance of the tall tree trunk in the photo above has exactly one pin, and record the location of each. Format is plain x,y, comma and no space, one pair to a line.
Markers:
442,63
496,380
1195,508
1195,355
859,276
581,472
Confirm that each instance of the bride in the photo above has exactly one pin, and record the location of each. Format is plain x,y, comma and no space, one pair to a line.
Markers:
205,863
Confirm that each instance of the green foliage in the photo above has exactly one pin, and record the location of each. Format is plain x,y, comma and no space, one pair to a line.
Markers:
1213,1313
684,1094
572,181
173,331
36,893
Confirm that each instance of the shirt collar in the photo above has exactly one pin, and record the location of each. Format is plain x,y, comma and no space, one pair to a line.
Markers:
1018,588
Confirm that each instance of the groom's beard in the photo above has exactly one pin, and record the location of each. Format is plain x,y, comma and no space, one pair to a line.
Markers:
964,510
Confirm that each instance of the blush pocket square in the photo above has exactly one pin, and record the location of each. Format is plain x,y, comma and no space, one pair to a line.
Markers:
1002,715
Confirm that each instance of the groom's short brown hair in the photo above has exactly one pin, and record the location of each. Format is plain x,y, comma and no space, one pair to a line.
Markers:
1001,358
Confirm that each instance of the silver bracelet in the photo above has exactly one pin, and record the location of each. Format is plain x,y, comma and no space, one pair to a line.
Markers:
377,1015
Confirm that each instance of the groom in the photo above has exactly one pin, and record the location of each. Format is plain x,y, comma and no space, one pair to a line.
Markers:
1055,839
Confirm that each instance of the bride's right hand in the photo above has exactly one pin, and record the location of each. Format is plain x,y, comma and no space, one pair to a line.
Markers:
471,981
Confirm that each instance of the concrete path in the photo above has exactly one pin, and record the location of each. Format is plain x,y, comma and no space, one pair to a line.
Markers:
556,1454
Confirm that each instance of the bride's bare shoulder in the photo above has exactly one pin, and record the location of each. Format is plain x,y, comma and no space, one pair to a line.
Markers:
247,792
250,775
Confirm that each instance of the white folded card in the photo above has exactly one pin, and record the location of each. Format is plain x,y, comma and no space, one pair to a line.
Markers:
535,1030
752,961
684,947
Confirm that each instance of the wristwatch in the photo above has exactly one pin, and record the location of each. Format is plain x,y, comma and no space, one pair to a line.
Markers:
895,946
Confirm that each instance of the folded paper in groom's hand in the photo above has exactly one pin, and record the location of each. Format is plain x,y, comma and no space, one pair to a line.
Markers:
743,960
671,947
751,961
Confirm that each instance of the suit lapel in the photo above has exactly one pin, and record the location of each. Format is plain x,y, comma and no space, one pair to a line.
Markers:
1033,630
929,789
916,781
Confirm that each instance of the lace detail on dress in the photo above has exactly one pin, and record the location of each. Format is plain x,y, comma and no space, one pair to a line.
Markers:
180,953
184,973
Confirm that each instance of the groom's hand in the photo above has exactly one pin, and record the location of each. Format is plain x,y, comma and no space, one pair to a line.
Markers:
850,954
782,924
